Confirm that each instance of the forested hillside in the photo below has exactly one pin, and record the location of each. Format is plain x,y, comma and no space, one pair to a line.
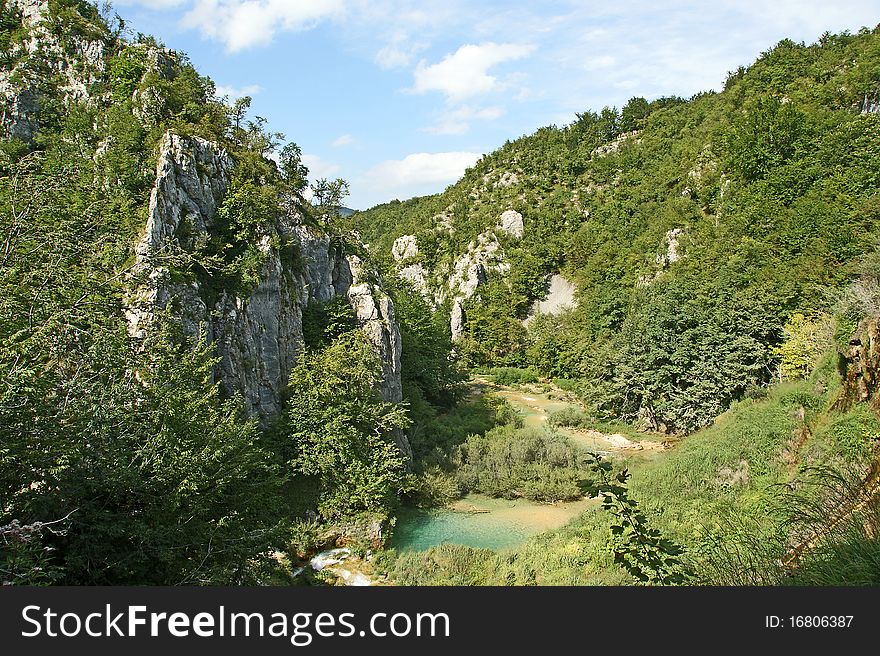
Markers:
211,371
165,291
694,230
723,251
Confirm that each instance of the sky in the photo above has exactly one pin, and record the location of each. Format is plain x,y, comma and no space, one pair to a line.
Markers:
399,97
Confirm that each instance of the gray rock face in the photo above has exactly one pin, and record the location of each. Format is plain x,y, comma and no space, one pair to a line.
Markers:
404,248
456,320
672,240
416,274
258,338
511,222
671,252
483,258
560,298
78,65
614,145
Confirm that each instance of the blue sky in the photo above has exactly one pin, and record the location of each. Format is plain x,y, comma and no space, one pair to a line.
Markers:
399,97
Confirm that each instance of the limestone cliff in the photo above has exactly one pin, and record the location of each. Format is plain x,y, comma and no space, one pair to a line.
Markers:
483,257
860,366
75,58
258,336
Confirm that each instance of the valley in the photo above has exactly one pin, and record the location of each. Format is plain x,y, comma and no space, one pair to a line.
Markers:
638,348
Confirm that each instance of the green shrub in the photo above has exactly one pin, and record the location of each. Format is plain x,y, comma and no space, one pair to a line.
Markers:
513,376
432,488
448,564
571,417
508,462
806,340
324,322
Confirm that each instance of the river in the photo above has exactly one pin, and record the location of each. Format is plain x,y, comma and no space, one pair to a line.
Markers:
483,522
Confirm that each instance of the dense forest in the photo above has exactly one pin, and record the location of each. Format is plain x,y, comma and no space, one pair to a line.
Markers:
724,249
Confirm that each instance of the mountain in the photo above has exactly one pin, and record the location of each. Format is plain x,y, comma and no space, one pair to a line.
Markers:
165,289
692,231
208,375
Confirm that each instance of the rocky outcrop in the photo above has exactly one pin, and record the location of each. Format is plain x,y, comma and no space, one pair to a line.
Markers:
614,145
670,254
76,60
560,298
511,222
483,258
404,251
258,336
405,248
456,320
860,367
673,244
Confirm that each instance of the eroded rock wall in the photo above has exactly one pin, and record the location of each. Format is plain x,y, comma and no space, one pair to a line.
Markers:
258,337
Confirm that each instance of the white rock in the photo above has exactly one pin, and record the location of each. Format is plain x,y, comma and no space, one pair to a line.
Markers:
328,558
456,321
511,222
560,298
405,248
672,245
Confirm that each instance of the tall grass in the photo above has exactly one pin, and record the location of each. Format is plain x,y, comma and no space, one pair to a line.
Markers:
539,465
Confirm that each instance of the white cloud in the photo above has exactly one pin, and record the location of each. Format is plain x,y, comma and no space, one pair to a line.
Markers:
241,24
457,121
399,52
465,73
342,140
602,61
151,4
318,167
392,57
234,93
420,169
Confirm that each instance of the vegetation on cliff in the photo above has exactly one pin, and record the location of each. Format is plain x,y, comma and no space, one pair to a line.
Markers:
725,254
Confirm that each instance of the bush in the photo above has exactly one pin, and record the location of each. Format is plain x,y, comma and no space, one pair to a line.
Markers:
508,462
806,340
433,488
571,417
513,376
448,564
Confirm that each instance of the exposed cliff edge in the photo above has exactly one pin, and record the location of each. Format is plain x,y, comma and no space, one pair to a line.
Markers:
860,367
258,335
483,257
76,59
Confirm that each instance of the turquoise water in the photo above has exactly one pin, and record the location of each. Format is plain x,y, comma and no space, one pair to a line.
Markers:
501,523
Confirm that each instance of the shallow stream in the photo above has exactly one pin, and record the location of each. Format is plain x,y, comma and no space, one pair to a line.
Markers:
480,521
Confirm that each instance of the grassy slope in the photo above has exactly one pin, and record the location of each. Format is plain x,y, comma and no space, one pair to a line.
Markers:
691,493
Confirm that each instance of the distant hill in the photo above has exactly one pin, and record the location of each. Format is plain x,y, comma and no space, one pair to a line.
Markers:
693,230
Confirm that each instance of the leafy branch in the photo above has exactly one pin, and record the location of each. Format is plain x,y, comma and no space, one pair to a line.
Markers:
639,548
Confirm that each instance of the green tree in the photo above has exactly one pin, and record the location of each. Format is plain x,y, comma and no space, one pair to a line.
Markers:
340,431
295,173
764,136
327,197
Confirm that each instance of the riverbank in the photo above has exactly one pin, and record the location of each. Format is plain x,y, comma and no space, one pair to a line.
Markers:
481,521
